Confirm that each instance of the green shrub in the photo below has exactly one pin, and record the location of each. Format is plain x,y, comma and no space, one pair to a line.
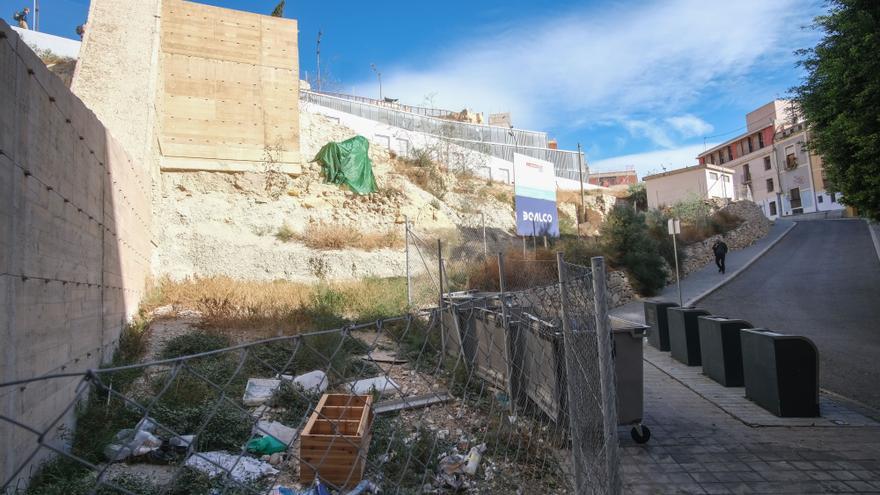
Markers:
295,403
580,250
567,226
630,246
656,220
285,233
193,343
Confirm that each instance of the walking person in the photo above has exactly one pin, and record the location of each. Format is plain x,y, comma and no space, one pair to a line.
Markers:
21,18
720,250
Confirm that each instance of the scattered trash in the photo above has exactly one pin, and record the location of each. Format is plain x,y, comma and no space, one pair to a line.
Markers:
365,486
131,443
241,468
283,433
381,384
265,445
473,459
453,467
313,381
318,489
147,424
382,356
259,390
183,441
414,402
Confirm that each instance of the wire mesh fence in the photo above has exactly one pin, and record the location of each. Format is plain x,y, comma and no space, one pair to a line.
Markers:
490,393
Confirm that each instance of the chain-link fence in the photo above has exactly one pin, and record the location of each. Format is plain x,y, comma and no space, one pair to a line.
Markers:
502,392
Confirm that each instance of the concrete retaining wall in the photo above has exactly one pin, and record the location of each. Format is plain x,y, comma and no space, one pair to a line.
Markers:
75,247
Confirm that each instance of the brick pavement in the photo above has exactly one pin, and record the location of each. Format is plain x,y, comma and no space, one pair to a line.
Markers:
697,447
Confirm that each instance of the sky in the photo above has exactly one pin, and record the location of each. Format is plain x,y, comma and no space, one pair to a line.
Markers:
648,83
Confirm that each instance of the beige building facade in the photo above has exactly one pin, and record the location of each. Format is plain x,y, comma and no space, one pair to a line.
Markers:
698,181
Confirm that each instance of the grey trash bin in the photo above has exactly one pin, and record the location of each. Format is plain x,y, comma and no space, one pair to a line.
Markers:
655,317
684,334
781,372
629,376
721,350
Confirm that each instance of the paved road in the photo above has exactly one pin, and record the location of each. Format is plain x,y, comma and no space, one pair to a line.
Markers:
822,281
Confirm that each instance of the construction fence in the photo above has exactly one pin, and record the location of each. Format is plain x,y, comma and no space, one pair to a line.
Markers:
489,392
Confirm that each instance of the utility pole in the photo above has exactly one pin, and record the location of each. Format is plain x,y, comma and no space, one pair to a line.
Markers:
515,151
379,75
581,174
318,59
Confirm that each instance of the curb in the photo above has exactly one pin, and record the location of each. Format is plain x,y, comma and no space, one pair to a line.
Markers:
874,237
741,269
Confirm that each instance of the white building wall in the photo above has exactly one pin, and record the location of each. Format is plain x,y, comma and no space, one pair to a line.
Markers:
63,47
403,142
719,185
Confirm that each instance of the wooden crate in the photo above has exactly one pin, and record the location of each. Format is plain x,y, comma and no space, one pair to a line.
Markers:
334,443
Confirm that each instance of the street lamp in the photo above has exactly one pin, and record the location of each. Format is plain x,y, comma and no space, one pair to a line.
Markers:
379,75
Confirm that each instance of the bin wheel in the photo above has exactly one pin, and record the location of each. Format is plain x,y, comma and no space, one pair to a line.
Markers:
640,437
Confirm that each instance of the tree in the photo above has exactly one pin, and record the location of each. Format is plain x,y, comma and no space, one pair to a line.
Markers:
840,98
629,245
638,196
279,9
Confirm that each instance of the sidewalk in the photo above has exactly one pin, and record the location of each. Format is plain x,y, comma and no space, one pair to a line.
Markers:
698,284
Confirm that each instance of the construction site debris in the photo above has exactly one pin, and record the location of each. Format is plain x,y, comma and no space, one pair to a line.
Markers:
241,468
182,441
365,486
265,445
259,390
313,381
381,384
335,441
414,402
382,356
281,432
131,443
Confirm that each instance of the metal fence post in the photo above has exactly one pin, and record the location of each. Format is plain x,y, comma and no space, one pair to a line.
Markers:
574,377
440,301
485,244
508,342
408,272
606,374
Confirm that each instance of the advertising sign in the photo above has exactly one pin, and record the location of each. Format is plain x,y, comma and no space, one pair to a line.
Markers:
535,190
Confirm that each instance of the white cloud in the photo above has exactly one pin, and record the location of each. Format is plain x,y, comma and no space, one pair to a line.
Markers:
627,61
652,161
689,125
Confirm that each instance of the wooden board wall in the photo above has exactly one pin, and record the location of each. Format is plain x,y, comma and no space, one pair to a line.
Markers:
230,85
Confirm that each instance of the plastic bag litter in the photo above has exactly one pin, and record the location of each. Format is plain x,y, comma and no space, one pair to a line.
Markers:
241,468
131,443
280,431
265,445
182,441
381,384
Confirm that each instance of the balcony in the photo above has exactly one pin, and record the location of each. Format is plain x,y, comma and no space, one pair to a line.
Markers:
747,178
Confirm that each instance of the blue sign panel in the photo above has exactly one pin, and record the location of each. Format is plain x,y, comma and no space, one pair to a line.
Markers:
536,217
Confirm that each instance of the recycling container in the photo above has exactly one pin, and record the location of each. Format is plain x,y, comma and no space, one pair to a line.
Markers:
721,349
655,317
629,376
781,372
684,334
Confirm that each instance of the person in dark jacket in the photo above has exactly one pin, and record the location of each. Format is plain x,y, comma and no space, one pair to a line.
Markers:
720,250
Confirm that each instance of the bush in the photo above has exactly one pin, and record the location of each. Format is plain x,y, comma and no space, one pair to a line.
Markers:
337,236
193,343
630,246
285,233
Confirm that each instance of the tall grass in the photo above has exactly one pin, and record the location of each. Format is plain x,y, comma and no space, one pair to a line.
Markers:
337,236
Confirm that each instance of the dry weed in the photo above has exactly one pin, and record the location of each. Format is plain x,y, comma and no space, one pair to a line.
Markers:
335,236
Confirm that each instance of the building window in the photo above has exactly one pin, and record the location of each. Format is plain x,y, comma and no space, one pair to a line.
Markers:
833,197
760,140
749,142
713,176
729,154
747,175
766,163
773,208
769,185
725,178
819,199
790,158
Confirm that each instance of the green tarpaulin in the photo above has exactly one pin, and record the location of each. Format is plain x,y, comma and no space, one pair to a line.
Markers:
348,163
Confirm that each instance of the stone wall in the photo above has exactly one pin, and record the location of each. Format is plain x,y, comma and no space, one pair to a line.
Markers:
754,226
620,291
75,247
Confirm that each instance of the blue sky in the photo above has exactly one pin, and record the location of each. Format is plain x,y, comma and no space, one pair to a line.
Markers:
643,83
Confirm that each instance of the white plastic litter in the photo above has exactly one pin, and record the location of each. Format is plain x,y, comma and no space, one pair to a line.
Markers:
146,424
283,433
182,440
473,459
259,390
129,442
381,384
313,381
241,468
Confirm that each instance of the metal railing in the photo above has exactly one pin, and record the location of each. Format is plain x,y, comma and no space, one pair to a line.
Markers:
496,141
429,112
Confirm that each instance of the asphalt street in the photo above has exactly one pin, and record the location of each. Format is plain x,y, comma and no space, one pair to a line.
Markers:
821,281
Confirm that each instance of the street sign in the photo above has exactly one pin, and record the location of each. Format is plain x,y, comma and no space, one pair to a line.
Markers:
535,190
674,226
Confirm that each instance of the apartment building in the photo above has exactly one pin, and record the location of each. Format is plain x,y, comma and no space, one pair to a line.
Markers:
615,178
698,181
772,165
